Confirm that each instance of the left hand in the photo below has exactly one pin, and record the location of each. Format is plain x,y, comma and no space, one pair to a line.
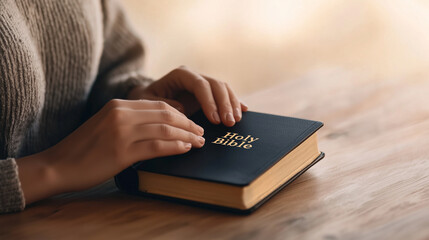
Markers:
188,91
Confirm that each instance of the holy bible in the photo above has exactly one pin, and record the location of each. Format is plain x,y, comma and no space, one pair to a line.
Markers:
238,168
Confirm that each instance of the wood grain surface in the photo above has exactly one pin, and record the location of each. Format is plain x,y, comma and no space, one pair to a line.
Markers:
372,184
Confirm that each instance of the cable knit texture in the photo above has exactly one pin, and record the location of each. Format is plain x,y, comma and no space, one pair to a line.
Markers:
60,61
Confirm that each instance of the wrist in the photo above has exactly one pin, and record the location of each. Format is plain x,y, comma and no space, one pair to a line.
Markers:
38,177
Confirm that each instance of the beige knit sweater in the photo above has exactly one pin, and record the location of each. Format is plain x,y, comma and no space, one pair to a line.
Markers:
60,61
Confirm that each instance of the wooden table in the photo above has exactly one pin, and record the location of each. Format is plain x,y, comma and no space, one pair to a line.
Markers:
373,183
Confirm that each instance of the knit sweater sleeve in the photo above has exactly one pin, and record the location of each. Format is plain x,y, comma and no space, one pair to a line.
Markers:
11,195
121,62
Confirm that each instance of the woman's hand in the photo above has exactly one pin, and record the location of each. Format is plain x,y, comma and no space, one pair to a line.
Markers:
120,134
188,91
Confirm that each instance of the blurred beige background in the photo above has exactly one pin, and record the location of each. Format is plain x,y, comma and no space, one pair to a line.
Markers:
255,44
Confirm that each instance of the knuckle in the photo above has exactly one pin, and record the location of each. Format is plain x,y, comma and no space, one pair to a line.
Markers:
212,105
200,83
225,106
165,130
191,125
235,103
113,103
179,70
217,82
156,145
178,144
192,136
167,116
162,105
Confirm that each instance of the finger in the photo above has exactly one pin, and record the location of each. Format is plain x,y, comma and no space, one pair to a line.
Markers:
175,104
165,132
244,107
136,117
145,150
221,96
139,105
200,87
235,103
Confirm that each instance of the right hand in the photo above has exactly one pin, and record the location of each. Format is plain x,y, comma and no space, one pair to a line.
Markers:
120,134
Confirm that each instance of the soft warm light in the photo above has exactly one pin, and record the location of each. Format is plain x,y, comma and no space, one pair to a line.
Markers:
254,43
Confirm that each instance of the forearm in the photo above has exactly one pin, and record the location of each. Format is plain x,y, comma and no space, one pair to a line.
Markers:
38,178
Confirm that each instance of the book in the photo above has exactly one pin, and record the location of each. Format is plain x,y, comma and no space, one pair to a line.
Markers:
238,169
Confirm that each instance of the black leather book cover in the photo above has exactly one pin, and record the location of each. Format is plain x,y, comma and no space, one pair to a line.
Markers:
251,147
232,155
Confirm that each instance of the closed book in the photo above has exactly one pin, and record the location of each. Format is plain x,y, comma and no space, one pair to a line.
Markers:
238,168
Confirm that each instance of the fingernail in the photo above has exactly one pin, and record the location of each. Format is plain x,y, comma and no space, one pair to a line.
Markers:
188,145
245,105
237,113
201,140
216,117
230,118
201,130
